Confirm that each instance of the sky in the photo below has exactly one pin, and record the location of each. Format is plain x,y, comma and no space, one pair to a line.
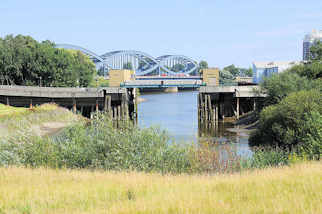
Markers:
222,32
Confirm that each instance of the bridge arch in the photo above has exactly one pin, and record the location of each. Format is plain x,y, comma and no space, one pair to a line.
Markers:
141,62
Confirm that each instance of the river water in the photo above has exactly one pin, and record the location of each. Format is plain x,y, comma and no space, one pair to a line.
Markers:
177,113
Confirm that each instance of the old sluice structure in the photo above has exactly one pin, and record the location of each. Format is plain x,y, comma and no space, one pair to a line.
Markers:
118,103
225,103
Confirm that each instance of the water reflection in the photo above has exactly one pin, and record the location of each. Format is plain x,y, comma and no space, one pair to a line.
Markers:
177,113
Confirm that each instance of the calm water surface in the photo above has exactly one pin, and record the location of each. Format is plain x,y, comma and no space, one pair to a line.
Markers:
177,113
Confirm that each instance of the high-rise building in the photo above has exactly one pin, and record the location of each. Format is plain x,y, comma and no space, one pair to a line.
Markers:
266,69
309,40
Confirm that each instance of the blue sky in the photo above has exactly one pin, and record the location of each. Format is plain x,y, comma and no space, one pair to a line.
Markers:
221,32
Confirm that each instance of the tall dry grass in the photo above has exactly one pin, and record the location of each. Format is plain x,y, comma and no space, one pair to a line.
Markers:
294,189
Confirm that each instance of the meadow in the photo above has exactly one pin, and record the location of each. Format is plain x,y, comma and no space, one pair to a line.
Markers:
289,189
93,167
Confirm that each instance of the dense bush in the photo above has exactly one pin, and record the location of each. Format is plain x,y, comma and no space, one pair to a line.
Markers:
24,61
278,86
295,121
101,146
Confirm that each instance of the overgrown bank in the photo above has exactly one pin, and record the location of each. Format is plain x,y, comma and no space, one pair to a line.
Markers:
291,114
23,123
99,145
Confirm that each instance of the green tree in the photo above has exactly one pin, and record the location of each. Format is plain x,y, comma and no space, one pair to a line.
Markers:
24,61
246,72
295,121
203,64
232,69
278,86
177,67
128,66
316,51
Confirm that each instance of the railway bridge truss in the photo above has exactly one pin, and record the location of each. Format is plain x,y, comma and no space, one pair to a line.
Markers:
141,62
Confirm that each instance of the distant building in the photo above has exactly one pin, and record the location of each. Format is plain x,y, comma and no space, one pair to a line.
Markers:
266,69
309,40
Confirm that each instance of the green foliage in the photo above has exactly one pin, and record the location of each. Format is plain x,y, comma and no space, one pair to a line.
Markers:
232,70
246,72
128,66
100,146
203,64
294,122
177,67
24,61
312,70
278,86
316,51
266,157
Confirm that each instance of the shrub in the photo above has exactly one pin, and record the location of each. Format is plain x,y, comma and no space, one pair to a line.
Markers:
278,86
295,121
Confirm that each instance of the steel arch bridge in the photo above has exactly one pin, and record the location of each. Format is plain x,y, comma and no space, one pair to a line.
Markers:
141,62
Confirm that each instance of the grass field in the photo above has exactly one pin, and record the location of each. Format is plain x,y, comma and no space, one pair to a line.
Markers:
294,189
9,110
40,120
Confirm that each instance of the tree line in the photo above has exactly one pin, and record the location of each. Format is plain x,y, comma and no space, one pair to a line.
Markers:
229,73
290,117
25,61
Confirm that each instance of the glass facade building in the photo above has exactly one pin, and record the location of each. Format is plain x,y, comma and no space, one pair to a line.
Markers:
308,41
267,69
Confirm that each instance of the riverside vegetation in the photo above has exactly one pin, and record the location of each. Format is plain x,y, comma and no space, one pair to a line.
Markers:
104,169
128,169
99,145
290,116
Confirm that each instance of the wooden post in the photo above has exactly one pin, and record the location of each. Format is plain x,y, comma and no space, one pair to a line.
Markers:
119,112
8,102
254,104
211,119
126,103
198,107
237,108
92,110
109,106
114,113
82,110
74,106
135,105
217,113
202,112
106,103
96,104
30,104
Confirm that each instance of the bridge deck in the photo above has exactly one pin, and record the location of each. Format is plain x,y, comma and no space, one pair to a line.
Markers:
238,91
55,92
163,83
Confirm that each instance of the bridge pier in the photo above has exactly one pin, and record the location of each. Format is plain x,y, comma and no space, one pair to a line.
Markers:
171,90
225,103
118,103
